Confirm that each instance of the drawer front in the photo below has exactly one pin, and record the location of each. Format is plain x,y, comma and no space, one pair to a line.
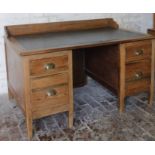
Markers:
135,87
49,107
47,94
48,65
49,81
138,70
138,50
49,100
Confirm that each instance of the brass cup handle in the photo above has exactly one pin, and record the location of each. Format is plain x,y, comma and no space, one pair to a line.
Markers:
49,66
51,92
138,75
139,52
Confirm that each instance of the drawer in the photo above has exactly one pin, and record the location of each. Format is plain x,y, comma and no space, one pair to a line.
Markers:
50,65
50,100
50,106
138,70
48,94
49,81
138,50
135,87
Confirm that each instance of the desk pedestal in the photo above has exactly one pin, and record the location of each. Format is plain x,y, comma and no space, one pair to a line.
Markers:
126,69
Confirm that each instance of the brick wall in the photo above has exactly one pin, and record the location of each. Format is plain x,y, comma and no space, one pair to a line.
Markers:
135,22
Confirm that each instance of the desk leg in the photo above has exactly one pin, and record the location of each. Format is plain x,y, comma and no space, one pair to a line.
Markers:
122,78
152,74
29,125
70,119
27,100
71,111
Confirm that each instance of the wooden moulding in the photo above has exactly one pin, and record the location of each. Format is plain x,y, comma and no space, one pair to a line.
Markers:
29,29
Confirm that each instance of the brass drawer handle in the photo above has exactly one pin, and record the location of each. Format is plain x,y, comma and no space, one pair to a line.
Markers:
138,75
139,52
49,66
51,92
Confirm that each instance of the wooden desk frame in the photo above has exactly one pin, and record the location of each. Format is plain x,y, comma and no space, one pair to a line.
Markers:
16,54
154,20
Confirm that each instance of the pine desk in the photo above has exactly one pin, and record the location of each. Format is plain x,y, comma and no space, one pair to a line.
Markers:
45,61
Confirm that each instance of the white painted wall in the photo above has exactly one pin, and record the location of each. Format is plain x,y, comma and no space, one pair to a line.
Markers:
135,22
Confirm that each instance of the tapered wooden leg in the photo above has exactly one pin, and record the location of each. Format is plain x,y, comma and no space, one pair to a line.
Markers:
121,103
70,119
27,100
29,120
122,78
70,112
29,125
151,95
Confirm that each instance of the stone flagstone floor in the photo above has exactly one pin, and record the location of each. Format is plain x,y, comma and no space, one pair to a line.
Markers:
96,118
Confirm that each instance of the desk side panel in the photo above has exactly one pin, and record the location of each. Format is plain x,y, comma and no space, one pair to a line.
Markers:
15,74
